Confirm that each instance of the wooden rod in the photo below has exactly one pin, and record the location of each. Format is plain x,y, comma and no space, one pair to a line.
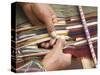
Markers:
87,63
87,34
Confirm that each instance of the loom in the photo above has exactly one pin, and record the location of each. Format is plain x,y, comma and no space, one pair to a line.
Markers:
28,37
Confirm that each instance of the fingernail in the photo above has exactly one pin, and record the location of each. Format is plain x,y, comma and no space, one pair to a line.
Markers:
46,45
52,41
53,34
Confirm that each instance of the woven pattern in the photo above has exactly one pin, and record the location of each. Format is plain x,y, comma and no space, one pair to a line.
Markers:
28,36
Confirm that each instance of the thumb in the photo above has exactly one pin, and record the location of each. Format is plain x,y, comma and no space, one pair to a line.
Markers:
59,44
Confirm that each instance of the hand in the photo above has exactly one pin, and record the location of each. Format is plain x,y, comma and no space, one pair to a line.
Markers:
56,59
40,14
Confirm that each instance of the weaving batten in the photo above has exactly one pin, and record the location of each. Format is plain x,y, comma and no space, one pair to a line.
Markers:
87,36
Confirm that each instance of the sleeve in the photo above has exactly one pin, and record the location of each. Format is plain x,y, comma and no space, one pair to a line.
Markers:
31,66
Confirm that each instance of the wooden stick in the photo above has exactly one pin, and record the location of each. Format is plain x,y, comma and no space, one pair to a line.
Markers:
33,54
79,26
87,63
45,34
88,16
87,36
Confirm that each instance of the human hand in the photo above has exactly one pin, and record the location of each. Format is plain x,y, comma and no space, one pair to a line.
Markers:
56,59
40,14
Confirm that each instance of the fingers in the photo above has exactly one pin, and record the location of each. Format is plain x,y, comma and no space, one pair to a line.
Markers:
52,42
54,19
41,11
30,14
53,15
45,14
38,16
45,45
50,9
48,44
59,44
